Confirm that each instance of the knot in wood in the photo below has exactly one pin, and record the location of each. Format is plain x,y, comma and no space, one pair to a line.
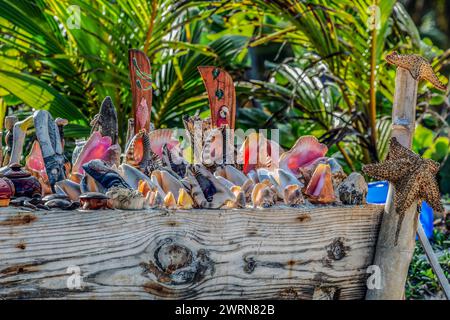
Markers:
336,250
172,256
176,264
250,264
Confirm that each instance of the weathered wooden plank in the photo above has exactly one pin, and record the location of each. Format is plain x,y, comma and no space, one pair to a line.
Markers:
251,254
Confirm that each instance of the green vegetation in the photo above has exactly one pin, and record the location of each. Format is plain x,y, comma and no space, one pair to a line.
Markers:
305,68
421,280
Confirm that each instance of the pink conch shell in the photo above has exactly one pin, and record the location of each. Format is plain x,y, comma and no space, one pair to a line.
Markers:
35,161
320,187
95,148
36,166
160,137
259,152
142,113
305,151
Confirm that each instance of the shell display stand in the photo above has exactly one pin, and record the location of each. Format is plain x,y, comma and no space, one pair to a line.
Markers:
276,253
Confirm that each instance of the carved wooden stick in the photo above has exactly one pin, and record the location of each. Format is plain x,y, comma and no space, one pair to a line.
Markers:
47,134
141,88
221,94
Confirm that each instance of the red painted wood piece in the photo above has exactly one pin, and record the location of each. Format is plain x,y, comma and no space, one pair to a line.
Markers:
141,89
221,94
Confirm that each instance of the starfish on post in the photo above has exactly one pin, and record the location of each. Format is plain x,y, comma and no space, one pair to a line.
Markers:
418,67
412,176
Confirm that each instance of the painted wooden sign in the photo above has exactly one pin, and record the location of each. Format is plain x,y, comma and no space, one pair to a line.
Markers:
141,88
221,94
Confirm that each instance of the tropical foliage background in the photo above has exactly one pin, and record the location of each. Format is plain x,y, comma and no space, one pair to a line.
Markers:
305,67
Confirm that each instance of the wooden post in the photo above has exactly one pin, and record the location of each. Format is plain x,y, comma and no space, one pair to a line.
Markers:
393,258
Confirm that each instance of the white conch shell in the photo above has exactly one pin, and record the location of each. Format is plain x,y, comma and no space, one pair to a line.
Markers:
206,190
132,176
167,182
70,188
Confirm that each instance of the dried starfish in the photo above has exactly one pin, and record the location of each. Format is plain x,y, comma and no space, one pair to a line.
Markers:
418,67
412,176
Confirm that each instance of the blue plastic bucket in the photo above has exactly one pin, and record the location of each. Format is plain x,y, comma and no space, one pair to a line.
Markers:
377,194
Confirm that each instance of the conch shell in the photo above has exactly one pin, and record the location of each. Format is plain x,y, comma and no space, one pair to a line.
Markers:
235,177
184,200
293,195
304,152
239,201
167,182
169,201
126,199
155,200
134,152
262,196
161,137
320,187
144,188
206,190
95,148
70,188
36,166
259,152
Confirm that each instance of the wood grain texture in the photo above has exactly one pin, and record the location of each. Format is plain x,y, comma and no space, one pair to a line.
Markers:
221,94
141,89
277,253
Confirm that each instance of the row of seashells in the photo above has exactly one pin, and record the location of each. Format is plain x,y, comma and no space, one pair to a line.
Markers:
133,186
154,173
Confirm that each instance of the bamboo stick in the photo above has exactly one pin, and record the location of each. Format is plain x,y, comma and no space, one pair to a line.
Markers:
434,261
393,258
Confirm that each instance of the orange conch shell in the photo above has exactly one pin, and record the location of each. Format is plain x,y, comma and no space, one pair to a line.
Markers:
184,201
144,187
320,187
135,149
169,201
305,151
